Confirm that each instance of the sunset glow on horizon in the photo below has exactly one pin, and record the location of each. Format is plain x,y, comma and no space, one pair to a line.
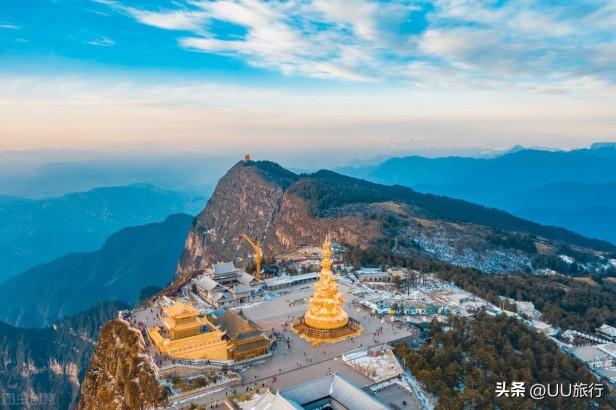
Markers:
388,77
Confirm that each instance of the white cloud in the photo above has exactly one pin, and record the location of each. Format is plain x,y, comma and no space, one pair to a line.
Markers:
272,40
284,36
8,26
604,17
171,20
513,44
459,44
102,42
358,15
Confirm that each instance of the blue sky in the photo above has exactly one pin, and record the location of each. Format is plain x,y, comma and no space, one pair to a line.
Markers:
393,74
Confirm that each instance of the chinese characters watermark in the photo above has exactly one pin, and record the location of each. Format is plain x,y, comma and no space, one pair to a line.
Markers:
540,391
26,400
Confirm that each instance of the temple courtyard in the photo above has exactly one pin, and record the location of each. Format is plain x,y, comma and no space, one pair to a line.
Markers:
294,360
300,341
299,354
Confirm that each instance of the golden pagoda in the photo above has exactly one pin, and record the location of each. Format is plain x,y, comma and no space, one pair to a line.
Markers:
325,320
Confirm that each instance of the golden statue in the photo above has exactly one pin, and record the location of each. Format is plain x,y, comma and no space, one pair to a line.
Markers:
325,319
325,310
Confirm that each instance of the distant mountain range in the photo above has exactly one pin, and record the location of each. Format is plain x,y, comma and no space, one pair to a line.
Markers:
565,195
572,189
42,173
38,231
130,260
589,209
49,362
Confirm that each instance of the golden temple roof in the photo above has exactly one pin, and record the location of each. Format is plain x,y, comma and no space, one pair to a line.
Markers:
236,325
180,310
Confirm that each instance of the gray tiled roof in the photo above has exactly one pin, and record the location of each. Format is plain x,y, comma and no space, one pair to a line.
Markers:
608,330
225,267
336,388
236,325
240,288
207,283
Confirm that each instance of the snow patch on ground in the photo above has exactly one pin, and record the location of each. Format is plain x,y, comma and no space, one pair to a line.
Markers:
567,259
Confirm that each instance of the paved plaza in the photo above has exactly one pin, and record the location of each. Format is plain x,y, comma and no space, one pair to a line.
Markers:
298,359
295,360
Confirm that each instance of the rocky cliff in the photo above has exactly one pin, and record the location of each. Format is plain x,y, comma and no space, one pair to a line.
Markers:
284,210
120,375
247,199
262,200
42,368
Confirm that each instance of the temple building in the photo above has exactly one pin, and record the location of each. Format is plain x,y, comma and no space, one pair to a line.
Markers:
223,335
227,286
244,337
325,320
185,335
327,392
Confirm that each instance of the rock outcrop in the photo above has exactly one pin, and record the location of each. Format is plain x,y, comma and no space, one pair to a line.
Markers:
264,201
121,376
247,199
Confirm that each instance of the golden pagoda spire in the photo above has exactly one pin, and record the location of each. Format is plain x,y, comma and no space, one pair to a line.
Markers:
325,307
325,319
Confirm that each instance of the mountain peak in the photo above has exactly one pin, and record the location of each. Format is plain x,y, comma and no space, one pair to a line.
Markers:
269,170
284,210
